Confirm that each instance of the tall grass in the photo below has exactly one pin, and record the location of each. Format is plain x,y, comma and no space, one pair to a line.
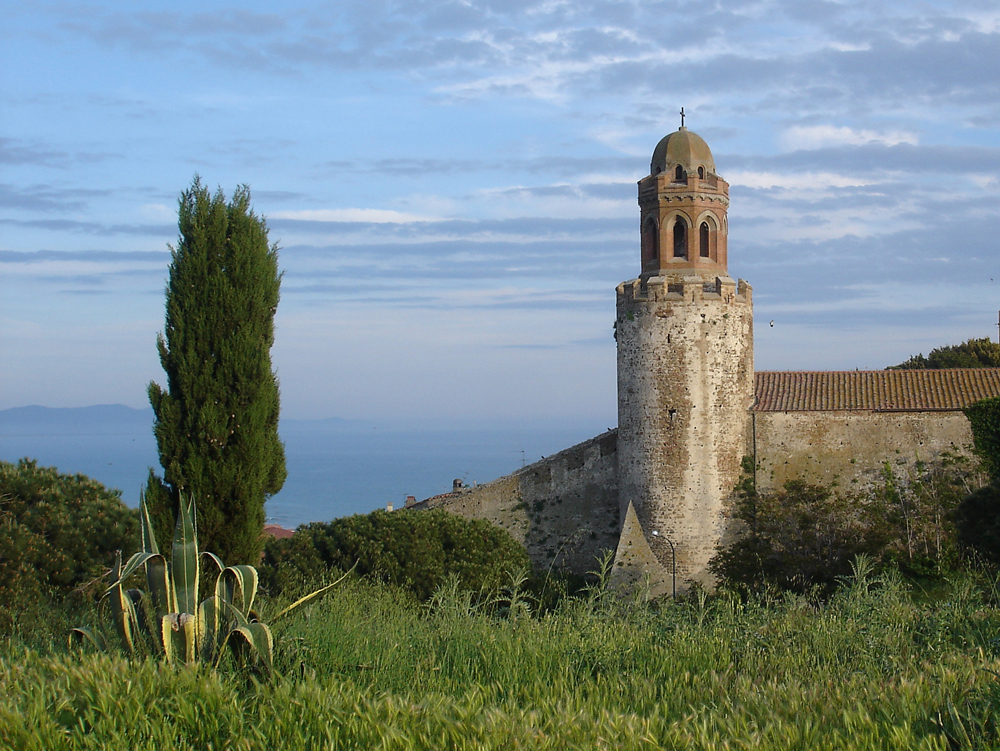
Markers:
368,667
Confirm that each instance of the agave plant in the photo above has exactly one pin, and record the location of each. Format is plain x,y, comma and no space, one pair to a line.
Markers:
169,620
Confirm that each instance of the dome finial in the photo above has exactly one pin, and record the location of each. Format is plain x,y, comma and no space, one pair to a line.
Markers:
682,118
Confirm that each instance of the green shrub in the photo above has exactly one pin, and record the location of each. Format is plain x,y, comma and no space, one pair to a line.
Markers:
57,533
978,522
973,353
911,517
417,550
985,419
803,536
798,537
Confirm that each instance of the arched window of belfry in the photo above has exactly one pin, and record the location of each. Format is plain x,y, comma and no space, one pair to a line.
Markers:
680,238
703,236
679,174
650,241
701,173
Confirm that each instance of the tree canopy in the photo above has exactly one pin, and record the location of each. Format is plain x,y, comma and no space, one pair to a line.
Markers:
416,550
59,531
974,353
217,421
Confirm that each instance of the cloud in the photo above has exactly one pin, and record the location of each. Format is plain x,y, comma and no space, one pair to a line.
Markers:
844,58
86,256
570,166
92,228
157,211
822,136
471,165
16,152
364,216
46,198
150,30
930,160
518,229
795,181
20,152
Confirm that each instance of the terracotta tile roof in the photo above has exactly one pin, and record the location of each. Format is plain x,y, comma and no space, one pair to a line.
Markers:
275,531
875,390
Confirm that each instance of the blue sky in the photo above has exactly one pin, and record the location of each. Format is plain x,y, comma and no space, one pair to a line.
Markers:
452,185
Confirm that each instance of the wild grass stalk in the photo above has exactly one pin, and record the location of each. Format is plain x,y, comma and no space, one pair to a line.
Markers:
871,668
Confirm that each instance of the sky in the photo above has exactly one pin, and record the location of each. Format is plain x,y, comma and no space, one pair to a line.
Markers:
452,186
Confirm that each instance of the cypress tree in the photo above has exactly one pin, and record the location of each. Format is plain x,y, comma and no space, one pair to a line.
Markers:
216,423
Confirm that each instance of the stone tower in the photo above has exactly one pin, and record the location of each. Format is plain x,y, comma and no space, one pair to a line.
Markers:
685,373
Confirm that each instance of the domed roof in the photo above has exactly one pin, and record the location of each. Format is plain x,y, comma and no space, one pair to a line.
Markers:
684,148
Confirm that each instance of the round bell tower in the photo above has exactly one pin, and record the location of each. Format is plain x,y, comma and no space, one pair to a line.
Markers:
685,373
682,209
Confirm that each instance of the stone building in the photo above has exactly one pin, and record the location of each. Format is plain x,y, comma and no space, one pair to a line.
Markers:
690,408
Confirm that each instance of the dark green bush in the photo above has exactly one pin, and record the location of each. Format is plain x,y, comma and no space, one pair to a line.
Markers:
978,522
57,532
978,516
974,353
416,550
797,538
984,417
803,536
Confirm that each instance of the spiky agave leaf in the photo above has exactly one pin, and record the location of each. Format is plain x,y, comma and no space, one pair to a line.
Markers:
160,589
312,595
184,568
237,585
122,608
82,635
157,572
148,535
181,629
132,565
213,622
242,638
252,639
219,565
178,632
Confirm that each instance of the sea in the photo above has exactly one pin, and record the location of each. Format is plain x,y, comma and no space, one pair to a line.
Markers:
335,467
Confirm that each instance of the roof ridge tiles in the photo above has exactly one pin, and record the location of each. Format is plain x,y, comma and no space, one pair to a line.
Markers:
947,389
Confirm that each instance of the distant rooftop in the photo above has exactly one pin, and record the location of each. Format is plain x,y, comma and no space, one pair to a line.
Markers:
874,390
276,531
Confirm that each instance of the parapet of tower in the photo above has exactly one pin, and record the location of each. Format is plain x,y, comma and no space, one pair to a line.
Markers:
685,373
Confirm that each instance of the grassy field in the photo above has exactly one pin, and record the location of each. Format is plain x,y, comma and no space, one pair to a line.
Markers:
874,667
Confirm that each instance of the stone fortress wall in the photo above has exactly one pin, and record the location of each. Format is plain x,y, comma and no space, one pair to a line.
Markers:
851,449
659,490
563,509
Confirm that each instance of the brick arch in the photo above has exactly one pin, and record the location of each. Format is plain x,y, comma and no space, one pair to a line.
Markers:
650,240
707,240
668,230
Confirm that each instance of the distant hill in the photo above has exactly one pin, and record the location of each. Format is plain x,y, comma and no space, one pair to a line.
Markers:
100,419
112,419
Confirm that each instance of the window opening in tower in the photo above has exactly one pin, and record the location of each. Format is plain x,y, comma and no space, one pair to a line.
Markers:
680,239
650,241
